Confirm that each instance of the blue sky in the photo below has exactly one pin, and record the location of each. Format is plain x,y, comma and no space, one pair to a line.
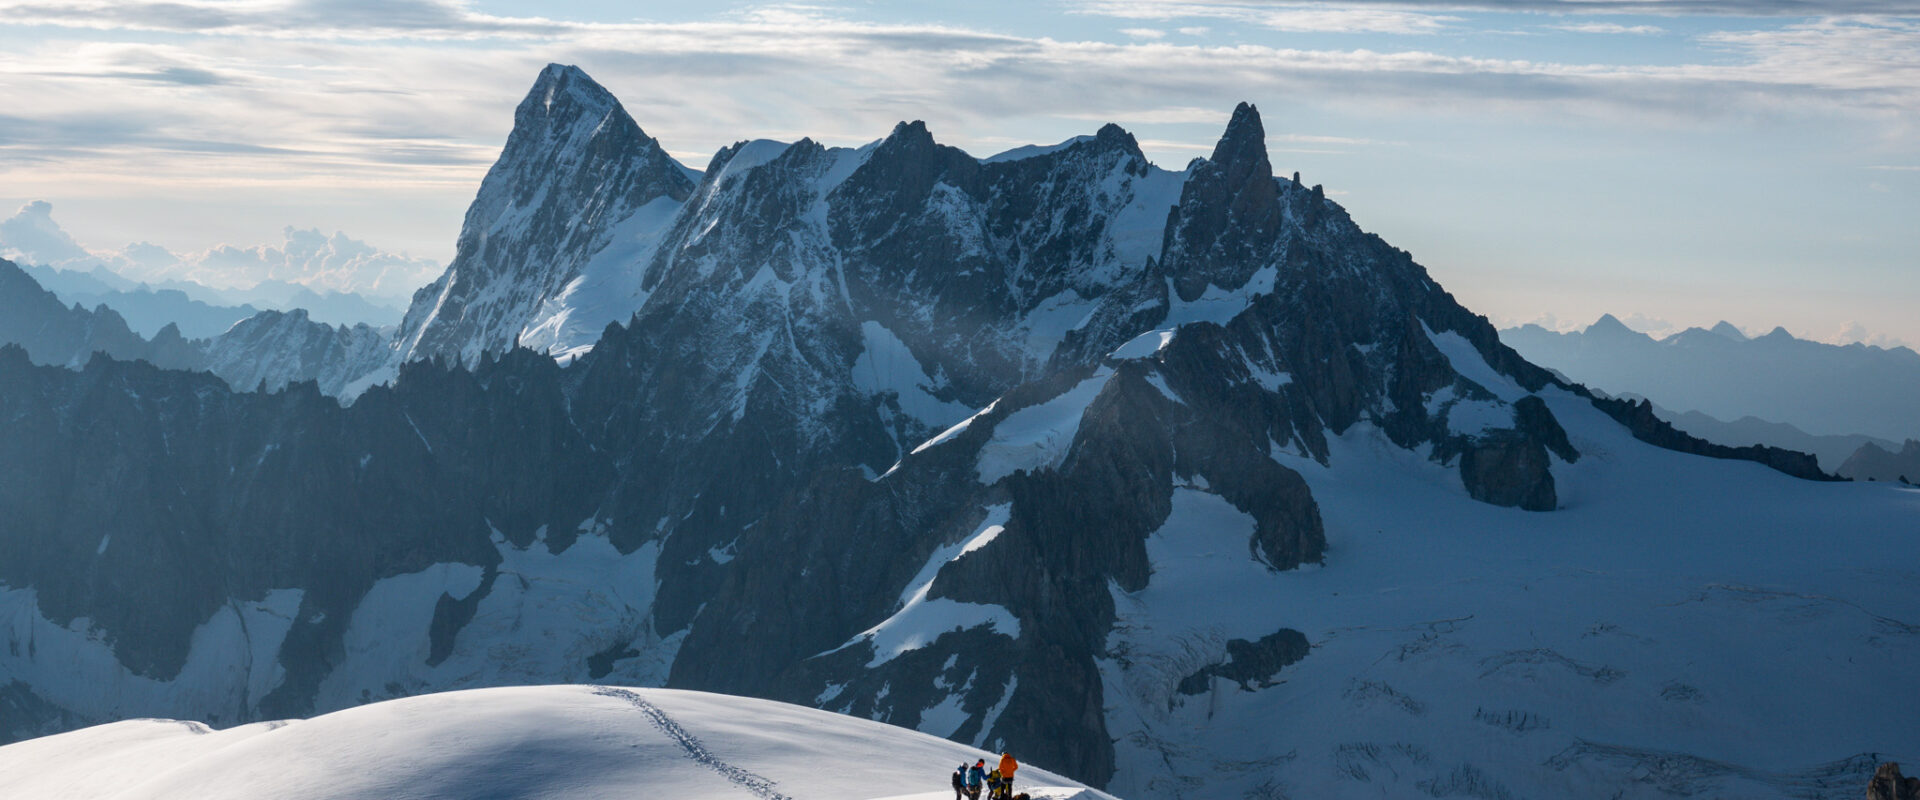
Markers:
1752,160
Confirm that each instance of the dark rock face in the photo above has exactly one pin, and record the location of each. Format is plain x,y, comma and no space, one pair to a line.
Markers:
1231,213
1889,784
25,715
1250,664
1639,418
1508,470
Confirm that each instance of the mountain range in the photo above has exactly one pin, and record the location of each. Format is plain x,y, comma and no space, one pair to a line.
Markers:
265,350
1821,389
1176,483
202,312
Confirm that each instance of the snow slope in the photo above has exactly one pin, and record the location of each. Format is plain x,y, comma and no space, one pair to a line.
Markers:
515,742
1680,626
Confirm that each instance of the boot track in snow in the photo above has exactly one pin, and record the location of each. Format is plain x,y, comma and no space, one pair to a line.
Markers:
695,750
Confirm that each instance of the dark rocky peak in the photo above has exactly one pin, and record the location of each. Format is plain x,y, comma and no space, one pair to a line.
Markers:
1242,148
1111,132
1778,334
1230,216
1725,328
895,182
910,137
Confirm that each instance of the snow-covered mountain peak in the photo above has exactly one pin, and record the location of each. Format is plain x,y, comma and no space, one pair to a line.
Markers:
577,180
570,88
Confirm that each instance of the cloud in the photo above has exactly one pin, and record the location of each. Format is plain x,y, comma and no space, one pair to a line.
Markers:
1852,332
1292,18
1610,27
1144,33
1195,30
1234,9
376,19
256,103
312,259
304,256
31,236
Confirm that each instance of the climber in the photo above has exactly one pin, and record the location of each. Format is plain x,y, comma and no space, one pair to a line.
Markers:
974,777
960,783
1007,766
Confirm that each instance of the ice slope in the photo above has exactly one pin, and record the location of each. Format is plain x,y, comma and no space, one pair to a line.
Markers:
516,742
1680,626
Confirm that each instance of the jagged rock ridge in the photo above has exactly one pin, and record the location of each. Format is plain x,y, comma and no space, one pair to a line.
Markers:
890,430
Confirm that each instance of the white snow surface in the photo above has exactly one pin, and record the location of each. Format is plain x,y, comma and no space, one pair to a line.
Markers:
585,600
1681,626
516,742
886,366
1466,361
922,620
607,290
1038,436
1144,345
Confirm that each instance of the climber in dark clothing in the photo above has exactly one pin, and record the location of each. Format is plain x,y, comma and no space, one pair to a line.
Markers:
960,783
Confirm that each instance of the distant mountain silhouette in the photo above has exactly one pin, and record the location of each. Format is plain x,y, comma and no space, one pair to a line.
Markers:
203,312
1831,450
1821,389
1873,462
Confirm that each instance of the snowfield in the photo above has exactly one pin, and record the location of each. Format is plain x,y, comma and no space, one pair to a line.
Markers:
1680,627
516,742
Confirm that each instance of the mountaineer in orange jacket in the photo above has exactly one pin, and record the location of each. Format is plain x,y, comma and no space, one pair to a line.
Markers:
1007,766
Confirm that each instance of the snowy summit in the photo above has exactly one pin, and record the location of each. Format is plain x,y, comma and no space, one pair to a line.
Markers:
573,742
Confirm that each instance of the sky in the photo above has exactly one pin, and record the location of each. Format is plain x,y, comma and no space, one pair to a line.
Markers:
1675,162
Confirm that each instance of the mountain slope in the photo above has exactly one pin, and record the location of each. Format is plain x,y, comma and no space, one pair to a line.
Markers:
272,349
53,333
527,742
1036,450
577,177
